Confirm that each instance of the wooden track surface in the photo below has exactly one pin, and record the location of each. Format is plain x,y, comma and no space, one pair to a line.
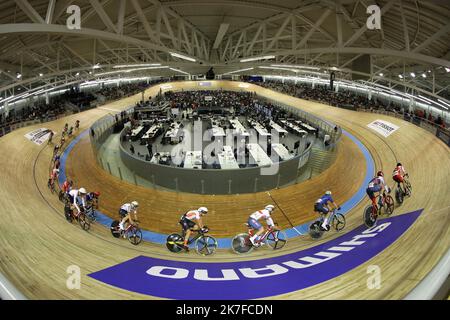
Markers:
38,244
160,210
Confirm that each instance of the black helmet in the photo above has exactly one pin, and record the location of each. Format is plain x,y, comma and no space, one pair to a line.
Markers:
399,164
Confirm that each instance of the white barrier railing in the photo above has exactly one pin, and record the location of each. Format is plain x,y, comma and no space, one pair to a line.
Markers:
436,284
8,291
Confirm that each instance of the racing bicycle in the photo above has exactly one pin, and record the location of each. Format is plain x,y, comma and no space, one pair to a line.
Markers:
400,193
205,245
72,215
131,232
276,239
337,221
372,212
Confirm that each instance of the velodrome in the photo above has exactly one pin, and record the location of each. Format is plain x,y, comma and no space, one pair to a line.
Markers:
193,150
39,244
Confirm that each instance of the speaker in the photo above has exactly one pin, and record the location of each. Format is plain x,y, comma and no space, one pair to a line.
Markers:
210,75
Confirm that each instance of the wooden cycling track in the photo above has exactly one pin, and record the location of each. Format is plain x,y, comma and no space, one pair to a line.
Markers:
37,244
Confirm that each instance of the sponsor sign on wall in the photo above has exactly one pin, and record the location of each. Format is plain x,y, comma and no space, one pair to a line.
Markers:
383,127
38,136
256,278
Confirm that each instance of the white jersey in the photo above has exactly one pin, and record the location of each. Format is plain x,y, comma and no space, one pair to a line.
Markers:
127,207
377,181
192,215
262,214
400,170
75,194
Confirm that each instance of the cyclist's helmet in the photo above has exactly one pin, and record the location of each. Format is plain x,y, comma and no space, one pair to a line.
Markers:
57,158
96,194
270,207
135,204
380,174
203,210
399,164
328,192
82,191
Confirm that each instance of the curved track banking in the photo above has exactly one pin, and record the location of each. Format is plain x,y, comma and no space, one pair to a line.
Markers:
38,244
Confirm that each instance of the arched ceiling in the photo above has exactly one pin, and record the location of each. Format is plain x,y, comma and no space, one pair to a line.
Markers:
35,42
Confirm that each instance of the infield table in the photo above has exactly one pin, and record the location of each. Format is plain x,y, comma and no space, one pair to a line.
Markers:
193,160
227,159
259,156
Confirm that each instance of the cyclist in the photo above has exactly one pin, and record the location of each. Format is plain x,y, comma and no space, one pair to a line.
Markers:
77,124
192,220
321,206
53,176
254,223
125,214
69,134
57,162
76,197
376,185
92,198
398,175
55,149
65,189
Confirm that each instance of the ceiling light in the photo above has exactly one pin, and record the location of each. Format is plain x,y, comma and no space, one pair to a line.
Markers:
413,74
381,74
241,70
400,76
176,70
18,75
177,55
97,66
40,74
443,102
257,58
424,75
447,69
137,65
294,66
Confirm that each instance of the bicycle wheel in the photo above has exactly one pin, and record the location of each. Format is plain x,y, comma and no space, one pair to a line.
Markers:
115,231
174,242
241,244
388,205
83,221
338,222
408,188
314,230
369,218
205,245
134,235
90,214
399,195
276,239
68,213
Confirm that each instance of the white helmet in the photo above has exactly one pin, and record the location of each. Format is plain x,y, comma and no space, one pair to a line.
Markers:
270,207
203,210
134,204
82,191
328,193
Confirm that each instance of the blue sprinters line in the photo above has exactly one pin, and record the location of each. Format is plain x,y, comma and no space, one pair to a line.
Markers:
225,243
